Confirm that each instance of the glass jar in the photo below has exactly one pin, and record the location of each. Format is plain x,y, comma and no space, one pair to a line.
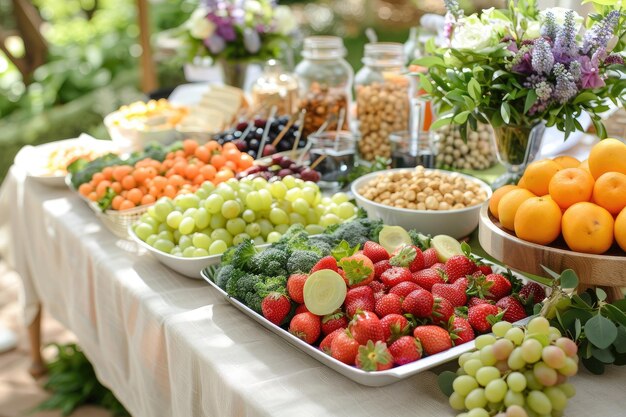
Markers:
332,154
382,96
275,87
477,153
325,80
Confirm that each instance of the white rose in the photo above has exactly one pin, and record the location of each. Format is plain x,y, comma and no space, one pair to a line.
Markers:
253,6
199,26
533,30
559,16
472,34
498,21
285,20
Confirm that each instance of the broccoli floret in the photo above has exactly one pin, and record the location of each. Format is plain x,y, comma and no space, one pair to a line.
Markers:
420,240
232,283
293,231
223,276
246,285
352,232
262,288
239,256
270,262
320,246
302,261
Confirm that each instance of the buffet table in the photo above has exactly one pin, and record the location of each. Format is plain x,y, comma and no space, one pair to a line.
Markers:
171,346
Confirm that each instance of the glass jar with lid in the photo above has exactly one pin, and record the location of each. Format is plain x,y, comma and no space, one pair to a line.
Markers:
325,80
275,87
382,97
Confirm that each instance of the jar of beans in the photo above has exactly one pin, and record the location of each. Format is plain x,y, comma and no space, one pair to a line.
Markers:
325,80
382,96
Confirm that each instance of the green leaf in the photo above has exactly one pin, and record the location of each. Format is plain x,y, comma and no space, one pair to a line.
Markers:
569,279
620,340
601,294
593,365
445,380
584,96
473,88
461,117
584,300
577,329
343,250
425,84
569,317
600,331
601,2
603,355
614,314
443,121
621,304
550,272
531,98
428,61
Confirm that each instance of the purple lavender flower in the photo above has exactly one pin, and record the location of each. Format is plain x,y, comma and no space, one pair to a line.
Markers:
565,48
614,59
542,58
590,73
565,87
251,40
549,28
600,33
215,44
575,69
225,28
522,61
453,8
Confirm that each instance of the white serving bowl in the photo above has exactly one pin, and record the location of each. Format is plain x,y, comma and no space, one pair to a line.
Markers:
456,223
130,139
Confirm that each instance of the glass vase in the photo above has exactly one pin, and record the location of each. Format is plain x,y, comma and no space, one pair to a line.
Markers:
516,147
234,73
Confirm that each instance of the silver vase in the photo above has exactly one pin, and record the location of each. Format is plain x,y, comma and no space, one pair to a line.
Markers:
234,72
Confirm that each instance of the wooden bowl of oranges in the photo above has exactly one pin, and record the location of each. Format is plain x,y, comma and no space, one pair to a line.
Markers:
564,213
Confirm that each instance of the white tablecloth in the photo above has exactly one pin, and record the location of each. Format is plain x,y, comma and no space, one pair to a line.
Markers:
170,346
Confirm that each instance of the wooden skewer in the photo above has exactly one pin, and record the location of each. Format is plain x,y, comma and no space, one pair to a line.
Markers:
281,135
318,161
299,134
266,132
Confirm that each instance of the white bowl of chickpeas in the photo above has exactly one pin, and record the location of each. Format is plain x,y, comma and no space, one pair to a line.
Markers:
431,201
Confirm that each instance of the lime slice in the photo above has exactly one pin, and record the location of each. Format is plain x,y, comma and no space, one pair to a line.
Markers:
392,237
324,292
446,247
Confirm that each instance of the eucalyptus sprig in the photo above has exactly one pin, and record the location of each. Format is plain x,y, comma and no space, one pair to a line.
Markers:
596,325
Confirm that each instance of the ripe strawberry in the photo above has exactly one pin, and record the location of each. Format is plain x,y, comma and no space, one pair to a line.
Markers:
500,287
485,269
328,340
474,301
366,326
301,309
388,304
459,266
378,296
395,275
380,267
478,317
306,326
334,321
430,257
434,339
375,252
408,256
461,331
419,303
513,309
377,286
532,292
374,357
295,287
359,298
451,293
426,278
404,288
442,311
395,326
461,283
327,262
405,350
275,307
344,348
358,269
439,266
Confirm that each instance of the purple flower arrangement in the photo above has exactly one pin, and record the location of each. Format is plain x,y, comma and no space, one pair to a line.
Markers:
240,30
521,65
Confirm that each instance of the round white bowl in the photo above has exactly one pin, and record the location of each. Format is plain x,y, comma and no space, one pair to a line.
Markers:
455,223
130,140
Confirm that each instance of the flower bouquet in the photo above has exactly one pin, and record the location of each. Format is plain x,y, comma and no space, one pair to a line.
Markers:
522,69
237,32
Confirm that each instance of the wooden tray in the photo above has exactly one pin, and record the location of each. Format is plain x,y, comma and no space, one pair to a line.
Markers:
607,270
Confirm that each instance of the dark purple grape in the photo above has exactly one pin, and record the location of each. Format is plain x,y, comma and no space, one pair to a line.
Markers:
309,174
276,159
285,163
267,175
260,123
254,169
269,149
253,144
241,145
284,172
283,145
241,126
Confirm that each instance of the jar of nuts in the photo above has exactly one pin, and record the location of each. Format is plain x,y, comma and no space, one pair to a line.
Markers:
476,153
382,95
325,80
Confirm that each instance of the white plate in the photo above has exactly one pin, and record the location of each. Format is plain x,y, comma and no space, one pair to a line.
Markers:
190,267
33,159
371,379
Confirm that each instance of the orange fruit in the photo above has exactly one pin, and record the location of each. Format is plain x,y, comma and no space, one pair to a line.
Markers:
570,186
508,205
567,161
497,195
610,191
538,220
619,230
585,165
587,228
522,183
538,175
606,156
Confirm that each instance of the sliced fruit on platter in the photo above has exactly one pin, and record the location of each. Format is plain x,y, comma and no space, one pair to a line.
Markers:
392,237
446,247
324,292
